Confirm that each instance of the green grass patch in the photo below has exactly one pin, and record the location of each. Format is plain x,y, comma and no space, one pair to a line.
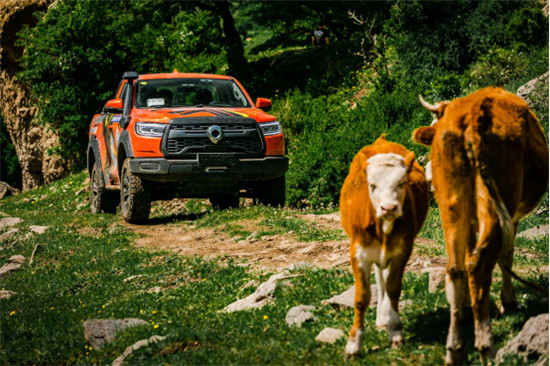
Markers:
86,267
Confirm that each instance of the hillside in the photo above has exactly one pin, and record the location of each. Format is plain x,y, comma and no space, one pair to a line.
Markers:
177,272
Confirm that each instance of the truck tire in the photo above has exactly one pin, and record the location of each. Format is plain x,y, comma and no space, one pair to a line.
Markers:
135,198
225,202
272,192
102,200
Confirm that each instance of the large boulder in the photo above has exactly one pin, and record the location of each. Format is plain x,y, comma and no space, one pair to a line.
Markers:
98,332
31,140
531,343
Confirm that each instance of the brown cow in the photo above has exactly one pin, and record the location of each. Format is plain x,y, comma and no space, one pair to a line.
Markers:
383,203
489,169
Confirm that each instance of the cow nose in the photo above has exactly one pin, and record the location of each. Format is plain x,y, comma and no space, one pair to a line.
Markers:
388,208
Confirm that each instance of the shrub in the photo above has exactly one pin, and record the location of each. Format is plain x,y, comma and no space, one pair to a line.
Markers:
498,66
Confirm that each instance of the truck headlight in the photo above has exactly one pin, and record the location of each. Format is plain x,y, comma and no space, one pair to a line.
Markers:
270,128
150,129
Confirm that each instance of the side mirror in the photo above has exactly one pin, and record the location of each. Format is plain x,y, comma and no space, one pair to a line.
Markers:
114,106
264,104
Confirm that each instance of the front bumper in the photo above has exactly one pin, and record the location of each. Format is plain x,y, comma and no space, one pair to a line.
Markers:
210,168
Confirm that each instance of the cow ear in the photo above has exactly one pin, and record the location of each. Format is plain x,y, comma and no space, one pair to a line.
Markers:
424,135
409,160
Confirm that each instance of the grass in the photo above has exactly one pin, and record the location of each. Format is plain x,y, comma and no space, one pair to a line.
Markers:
83,263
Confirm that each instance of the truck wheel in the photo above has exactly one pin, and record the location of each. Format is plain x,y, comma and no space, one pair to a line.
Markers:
102,200
225,202
135,199
272,192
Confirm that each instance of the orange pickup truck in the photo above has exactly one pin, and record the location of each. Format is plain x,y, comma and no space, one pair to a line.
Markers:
173,135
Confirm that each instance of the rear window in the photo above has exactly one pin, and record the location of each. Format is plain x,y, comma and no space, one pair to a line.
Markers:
173,93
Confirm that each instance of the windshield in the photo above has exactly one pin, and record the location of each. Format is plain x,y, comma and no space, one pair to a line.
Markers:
173,93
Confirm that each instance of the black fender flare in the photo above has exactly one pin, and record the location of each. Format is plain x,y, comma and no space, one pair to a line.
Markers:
125,149
93,151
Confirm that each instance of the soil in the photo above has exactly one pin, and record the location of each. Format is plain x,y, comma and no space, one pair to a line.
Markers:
271,253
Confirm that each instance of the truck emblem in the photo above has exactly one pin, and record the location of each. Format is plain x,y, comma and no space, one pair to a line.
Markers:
215,134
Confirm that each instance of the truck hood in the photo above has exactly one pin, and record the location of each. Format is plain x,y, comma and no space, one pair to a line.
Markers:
166,114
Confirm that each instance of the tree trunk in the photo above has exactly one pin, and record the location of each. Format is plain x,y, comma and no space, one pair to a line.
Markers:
232,40
31,140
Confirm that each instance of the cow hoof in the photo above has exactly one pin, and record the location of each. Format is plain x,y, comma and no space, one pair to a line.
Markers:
352,349
456,357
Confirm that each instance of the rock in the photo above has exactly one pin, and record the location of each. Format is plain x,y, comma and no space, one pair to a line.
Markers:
534,233
128,279
33,141
37,229
329,335
347,298
6,190
143,343
527,89
262,296
13,264
97,332
437,278
9,222
6,294
8,234
531,343
299,314
300,266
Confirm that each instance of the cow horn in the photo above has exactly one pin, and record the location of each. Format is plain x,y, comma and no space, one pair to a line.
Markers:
434,108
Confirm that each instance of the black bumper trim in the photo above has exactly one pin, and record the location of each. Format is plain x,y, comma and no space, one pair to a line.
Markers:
222,168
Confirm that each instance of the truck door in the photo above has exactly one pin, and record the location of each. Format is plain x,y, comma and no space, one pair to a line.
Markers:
111,135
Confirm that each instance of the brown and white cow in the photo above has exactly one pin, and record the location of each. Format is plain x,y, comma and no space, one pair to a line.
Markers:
489,169
383,204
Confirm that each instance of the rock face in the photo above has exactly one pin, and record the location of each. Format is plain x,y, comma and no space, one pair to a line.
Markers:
31,141
531,343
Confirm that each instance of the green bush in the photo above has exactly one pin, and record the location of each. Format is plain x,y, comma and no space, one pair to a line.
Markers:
498,67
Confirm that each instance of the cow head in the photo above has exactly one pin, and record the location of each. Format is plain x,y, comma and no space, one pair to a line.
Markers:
387,180
424,135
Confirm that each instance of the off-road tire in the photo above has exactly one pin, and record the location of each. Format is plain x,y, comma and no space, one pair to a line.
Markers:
272,192
135,198
225,202
101,200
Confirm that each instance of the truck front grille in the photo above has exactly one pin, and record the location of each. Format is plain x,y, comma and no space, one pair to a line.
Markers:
188,136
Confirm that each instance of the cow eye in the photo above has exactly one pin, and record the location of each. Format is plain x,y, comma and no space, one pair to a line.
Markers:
372,187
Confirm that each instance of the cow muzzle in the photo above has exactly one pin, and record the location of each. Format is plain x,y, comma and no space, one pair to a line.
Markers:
389,210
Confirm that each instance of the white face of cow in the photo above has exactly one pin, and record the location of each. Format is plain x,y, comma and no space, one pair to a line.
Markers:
387,178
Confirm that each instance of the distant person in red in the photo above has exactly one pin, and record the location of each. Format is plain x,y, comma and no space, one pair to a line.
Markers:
320,35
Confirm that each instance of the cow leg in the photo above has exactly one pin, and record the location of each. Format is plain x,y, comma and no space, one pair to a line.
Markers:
458,235
480,261
394,280
508,295
361,273
382,312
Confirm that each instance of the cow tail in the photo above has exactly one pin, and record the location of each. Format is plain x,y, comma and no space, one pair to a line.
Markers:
476,148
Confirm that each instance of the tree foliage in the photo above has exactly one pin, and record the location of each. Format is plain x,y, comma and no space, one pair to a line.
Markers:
78,51
382,55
